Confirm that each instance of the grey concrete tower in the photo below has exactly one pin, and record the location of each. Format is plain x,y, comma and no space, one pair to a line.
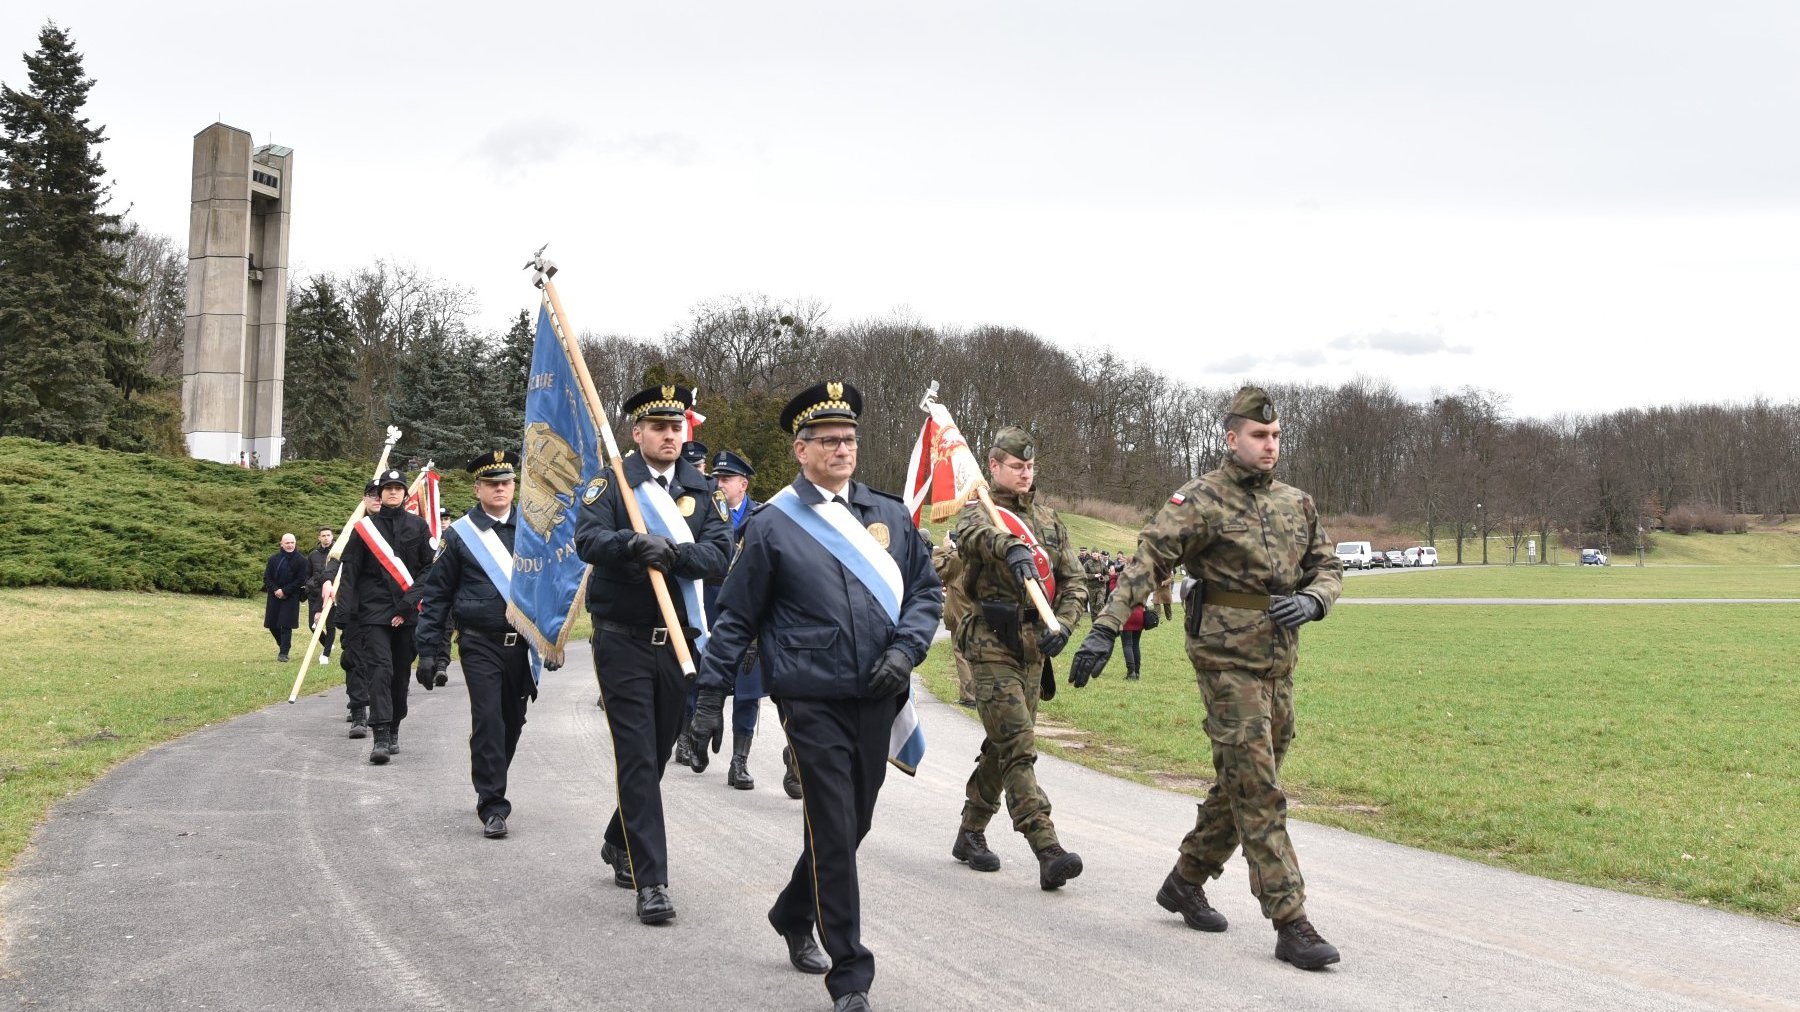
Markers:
235,338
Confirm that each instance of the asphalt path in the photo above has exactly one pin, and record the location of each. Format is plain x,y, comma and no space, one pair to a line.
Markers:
263,863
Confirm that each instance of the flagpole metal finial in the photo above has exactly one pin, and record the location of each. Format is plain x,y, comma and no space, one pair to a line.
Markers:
930,397
542,267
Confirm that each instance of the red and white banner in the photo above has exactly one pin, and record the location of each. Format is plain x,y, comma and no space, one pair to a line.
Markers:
384,553
1016,526
425,505
955,474
918,470
691,419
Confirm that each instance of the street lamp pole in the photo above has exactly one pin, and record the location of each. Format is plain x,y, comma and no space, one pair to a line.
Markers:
1482,512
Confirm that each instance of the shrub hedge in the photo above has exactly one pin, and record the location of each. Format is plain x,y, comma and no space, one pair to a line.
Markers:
77,516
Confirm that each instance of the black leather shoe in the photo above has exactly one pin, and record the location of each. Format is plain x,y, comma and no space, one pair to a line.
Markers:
1056,866
1179,896
654,905
1296,942
971,848
620,866
790,781
495,827
804,953
855,1001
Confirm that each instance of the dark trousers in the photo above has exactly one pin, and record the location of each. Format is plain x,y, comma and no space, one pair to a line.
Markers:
284,640
840,750
644,691
326,638
382,658
1134,656
499,681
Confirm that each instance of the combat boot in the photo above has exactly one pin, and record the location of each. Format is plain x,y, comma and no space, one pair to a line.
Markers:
1056,866
684,754
739,774
790,781
359,722
1179,896
379,754
1296,942
394,740
971,849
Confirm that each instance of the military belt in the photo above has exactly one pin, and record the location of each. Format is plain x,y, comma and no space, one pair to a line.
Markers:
1232,599
505,639
655,635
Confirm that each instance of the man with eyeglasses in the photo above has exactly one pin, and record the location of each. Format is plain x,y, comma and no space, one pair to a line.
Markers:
840,594
1009,651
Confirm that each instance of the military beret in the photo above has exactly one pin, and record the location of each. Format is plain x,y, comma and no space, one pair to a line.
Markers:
1015,441
693,452
834,401
1253,403
726,462
659,402
391,477
495,465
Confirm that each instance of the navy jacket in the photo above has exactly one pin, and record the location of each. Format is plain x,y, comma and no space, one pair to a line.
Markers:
618,589
458,588
821,631
367,595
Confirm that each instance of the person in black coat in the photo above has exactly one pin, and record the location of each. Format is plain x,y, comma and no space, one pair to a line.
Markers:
841,597
323,568
641,683
496,660
378,593
284,580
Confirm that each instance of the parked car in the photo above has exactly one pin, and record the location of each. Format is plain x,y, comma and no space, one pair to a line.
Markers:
1593,557
1422,556
1395,558
1355,554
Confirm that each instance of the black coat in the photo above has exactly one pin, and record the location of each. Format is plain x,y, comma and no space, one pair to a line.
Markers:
324,568
458,591
618,590
367,595
820,631
286,572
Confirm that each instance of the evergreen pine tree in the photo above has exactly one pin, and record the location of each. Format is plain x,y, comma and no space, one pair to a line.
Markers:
509,370
315,413
69,365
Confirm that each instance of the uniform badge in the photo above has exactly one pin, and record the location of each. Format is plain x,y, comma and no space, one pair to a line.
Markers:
879,531
723,506
686,505
1177,499
595,490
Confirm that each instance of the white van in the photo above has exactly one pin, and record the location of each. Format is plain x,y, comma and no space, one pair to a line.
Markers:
1355,554
1421,556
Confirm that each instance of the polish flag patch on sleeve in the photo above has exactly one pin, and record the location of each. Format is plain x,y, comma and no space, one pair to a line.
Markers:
1177,499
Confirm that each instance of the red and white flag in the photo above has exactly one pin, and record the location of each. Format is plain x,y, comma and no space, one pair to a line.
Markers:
692,420
424,504
943,472
918,470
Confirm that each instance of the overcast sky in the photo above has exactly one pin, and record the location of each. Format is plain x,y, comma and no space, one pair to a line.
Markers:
1580,205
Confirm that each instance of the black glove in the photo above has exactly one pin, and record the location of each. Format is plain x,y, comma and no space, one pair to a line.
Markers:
1023,566
1295,610
1151,618
653,551
708,723
422,675
891,675
552,665
1091,659
1051,643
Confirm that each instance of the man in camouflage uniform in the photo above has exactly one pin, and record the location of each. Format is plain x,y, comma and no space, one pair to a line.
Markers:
1096,582
949,565
1009,651
1265,567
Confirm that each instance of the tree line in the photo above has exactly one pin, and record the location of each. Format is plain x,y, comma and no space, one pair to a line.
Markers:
91,329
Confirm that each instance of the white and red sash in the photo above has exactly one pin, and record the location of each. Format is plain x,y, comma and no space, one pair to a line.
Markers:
1019,529
384,553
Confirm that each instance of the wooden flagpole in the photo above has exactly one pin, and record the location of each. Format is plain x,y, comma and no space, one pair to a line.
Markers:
544,270
1034,589
337,552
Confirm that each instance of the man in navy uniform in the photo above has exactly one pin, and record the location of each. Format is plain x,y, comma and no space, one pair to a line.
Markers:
378,590
641,683
468,586
841,595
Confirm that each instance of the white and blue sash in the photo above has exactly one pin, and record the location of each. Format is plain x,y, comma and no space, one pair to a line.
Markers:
662,517
854,548
496,563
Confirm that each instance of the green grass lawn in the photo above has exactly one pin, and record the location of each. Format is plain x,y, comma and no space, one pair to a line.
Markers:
1644,749
90,678
1100,535
1578,581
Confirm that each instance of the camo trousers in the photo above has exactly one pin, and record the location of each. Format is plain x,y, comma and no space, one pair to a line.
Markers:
1250,720
1008,700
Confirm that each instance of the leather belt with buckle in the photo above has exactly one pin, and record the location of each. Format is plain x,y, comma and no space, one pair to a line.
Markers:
656,635
508,639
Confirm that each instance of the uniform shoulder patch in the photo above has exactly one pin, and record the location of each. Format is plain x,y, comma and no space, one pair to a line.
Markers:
595,490
723,506
1177,498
